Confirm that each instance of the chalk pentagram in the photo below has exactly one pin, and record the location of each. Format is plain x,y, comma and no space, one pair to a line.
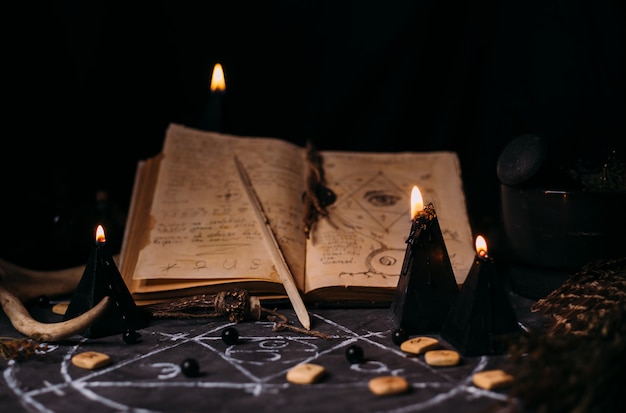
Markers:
146,377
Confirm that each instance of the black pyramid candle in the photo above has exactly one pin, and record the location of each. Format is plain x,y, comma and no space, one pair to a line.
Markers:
427,288
102,278
482,318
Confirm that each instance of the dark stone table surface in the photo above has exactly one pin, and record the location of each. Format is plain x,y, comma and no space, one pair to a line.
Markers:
250,375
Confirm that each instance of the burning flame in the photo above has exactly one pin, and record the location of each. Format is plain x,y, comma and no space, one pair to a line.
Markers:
218,83
417,203
481,246
100,234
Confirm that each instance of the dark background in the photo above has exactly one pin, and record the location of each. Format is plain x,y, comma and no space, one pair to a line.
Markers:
93,86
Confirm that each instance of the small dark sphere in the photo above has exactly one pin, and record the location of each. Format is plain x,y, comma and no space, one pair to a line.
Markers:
43,301
354,354
399,336
190,367
230,335
131,337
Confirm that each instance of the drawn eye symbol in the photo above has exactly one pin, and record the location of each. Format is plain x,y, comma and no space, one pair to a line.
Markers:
381,198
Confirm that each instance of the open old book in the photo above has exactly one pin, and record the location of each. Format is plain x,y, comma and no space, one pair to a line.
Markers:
191,228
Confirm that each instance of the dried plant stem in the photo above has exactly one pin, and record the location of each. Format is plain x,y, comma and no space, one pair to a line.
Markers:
282,323
237,305
316,196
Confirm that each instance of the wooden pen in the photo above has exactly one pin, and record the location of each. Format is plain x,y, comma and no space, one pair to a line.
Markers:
277,255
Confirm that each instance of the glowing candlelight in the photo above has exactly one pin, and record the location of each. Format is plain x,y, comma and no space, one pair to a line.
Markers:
212,117
218,81
481,246
417,202
100,239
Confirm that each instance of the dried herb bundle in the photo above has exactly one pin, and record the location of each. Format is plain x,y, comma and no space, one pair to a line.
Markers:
609,176
578,364
585,296
20,348
236,304
317,195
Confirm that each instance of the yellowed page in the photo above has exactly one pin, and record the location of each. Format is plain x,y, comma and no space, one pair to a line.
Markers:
203,224
363,241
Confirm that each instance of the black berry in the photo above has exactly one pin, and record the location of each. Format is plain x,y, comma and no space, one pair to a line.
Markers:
130,336
230,335
43,301
354,354
399,336
190,367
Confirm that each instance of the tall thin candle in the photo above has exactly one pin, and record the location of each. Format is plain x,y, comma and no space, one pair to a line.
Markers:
212,116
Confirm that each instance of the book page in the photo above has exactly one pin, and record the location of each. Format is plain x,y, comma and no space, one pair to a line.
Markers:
203,226
363,241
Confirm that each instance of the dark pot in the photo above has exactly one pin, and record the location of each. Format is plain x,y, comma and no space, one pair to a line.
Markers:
561,229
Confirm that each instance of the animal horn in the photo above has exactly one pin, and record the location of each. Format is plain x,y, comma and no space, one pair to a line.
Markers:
20,285
25,324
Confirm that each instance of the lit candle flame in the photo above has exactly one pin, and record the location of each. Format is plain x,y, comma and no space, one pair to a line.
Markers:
417,203
218,82
100,234
481,246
